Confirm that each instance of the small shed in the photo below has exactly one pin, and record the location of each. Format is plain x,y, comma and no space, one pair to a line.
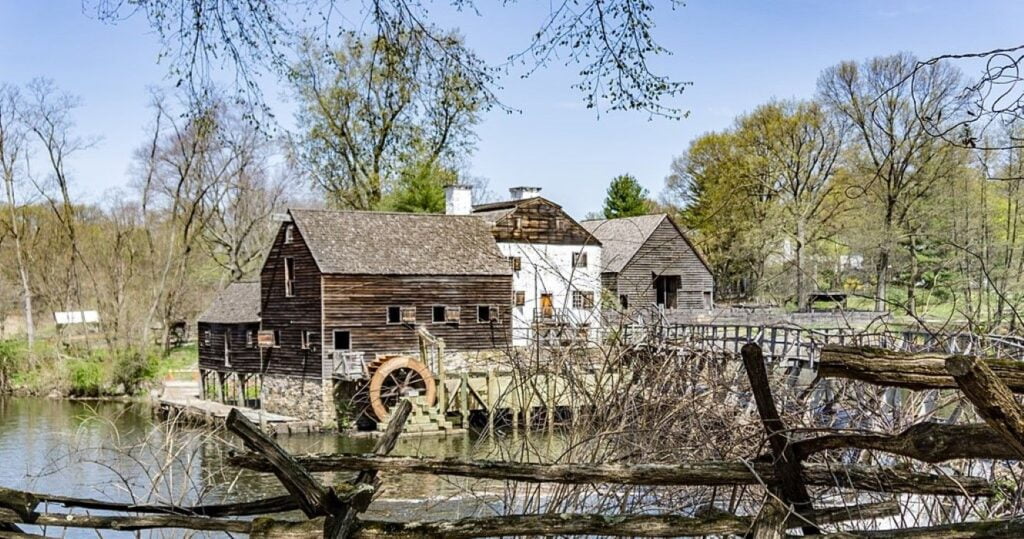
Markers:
648,260
228,330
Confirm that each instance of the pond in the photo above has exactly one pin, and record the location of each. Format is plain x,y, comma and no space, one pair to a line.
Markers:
115,451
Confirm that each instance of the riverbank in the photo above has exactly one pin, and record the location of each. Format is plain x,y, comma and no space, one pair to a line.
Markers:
76,371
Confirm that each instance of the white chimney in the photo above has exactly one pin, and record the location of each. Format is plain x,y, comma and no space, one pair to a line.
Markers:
458,199
520,193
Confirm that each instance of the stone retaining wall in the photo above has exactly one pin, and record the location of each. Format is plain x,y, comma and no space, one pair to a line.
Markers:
302,398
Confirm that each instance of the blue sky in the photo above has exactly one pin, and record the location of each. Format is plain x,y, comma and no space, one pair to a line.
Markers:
738,54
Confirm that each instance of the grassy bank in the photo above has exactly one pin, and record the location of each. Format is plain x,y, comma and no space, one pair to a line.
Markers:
76,371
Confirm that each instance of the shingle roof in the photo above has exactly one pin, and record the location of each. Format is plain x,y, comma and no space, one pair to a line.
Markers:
622,238
381,243
236,304
509,204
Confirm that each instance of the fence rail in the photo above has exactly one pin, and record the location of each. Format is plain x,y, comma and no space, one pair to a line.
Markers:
803,346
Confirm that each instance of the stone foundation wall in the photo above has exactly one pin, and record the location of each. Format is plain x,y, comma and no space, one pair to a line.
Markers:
303,398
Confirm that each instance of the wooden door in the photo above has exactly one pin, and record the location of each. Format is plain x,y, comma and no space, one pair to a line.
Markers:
547,305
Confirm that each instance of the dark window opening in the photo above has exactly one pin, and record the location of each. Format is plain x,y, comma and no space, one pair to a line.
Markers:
667,290
624,301
394,315
439,312
277,338
483,313
289,277
342,340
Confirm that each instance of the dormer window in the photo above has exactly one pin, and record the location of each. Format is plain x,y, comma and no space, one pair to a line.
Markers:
289,234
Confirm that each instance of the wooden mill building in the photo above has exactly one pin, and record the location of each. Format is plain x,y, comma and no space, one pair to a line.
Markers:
227,335
340,288
648,261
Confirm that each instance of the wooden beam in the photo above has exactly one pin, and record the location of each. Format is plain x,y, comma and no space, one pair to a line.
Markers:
125,523
787,465
313,499
691,473
991,398
911,371
341,524
928,442
719,523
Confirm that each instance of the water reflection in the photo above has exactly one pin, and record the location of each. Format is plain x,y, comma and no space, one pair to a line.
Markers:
113,451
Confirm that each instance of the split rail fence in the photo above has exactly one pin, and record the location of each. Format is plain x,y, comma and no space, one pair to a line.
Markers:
786,471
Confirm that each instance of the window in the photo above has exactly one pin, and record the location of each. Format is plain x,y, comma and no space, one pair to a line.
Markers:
516,262
289,277
308,340
250,338
342,340
579,259
582,300
409,315
624,301
277,338
394,315
206,337
438,314
289,234
227,348
484,313
520,298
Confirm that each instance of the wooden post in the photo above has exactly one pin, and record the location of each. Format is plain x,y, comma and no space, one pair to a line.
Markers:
342,524
464,399
991,398
313,499
492,398
787,465
770,523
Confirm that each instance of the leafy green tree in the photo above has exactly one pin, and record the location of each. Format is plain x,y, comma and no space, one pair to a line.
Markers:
626,198
372,109
420,189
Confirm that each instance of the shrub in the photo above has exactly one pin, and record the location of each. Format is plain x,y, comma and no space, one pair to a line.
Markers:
12,361
131,368
85,377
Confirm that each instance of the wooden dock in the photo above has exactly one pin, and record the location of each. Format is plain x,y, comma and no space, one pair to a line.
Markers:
214,413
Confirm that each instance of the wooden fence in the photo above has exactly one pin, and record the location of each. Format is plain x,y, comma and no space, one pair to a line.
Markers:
803,346
784,470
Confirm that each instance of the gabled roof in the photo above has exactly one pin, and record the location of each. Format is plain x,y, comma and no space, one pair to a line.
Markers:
237,304
382,243
510,204
623,237
494,212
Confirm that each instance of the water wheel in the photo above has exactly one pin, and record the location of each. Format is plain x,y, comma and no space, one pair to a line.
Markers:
396,378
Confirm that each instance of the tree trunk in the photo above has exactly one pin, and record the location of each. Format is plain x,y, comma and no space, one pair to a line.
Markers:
26,290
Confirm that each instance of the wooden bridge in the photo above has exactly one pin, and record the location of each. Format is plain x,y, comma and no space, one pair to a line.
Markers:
801,347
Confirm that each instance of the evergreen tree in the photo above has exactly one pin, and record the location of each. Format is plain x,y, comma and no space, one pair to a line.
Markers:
626,198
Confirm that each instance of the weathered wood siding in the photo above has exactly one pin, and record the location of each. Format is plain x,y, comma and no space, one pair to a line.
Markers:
665,252
242,356
539,221
359,303
291,316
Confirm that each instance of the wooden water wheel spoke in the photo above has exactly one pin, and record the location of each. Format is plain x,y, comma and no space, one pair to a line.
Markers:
395,378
